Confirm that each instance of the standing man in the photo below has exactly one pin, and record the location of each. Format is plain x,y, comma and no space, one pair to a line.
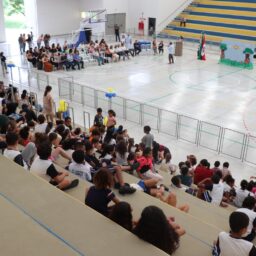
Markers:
171,53
20,40
128,44
117,32
3,63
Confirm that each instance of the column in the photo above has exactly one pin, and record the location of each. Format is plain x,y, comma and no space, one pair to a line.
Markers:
2,25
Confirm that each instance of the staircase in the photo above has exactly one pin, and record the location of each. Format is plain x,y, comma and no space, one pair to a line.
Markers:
219,19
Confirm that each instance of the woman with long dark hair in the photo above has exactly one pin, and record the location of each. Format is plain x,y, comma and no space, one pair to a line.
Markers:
48,104
156,229
121,213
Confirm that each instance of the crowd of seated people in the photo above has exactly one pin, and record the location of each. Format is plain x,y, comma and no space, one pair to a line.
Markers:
55,57
37,140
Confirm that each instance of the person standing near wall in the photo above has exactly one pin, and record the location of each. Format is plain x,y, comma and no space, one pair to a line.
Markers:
3,63
171,53
20,40
117,32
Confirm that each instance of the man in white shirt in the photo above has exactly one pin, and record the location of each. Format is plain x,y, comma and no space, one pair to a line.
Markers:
171,52
232,244
248,208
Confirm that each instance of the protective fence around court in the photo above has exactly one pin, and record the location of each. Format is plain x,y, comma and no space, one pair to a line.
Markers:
204,134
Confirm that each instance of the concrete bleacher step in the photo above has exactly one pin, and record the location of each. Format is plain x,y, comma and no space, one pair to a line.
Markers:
81,229
196,229
219,210
17,226
218,19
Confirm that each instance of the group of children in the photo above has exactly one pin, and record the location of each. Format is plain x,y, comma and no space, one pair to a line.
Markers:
101,156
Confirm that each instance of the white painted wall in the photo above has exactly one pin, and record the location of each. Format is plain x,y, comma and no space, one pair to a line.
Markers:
31,15
2,26
63,16
58,17
163,10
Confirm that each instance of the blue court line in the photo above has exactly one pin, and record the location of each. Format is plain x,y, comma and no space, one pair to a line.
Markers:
235,8
219,24
45,227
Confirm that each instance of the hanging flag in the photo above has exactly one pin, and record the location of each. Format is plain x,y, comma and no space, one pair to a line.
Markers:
201,50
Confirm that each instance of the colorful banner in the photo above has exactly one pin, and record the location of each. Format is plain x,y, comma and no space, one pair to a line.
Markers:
235,53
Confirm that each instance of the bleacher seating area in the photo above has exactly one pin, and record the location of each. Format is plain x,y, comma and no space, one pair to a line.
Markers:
52,216
219,19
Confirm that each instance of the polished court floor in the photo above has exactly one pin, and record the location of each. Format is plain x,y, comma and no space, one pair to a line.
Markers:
207,91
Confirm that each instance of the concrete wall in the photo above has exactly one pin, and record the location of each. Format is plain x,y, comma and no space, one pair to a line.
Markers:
58,17
2,26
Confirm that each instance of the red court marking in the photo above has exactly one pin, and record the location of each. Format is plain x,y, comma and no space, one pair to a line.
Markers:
244,120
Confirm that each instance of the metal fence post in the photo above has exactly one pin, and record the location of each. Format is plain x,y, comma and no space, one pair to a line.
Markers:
198,132
141,114
70,91
124,109
95,92
29,77
73,115
159,113
82,95
59,85
19,75
246,140
178,126
222,134
47,79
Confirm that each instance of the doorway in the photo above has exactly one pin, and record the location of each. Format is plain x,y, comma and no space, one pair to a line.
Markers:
151,26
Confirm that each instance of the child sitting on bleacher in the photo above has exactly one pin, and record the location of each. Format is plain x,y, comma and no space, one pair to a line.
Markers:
43,167
145,169
155,228
216,190
186,179
166,164
100,195
248,208
241,193
232,244
121,213
12,152
79,166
